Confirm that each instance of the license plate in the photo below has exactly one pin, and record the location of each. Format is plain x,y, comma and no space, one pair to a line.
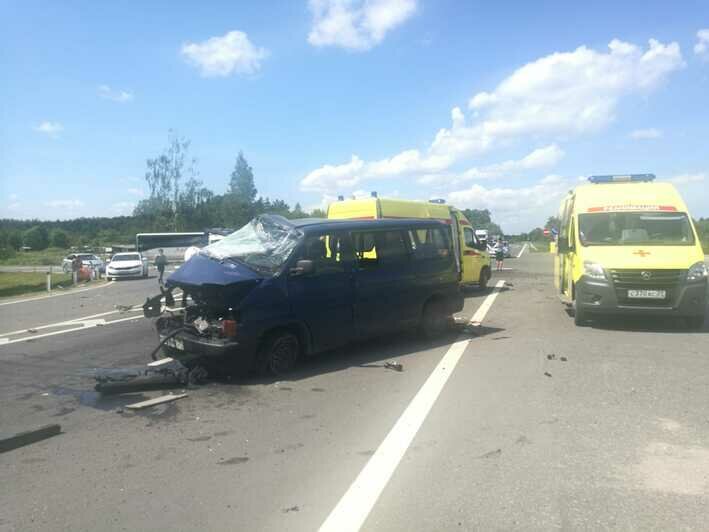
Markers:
647,294
176,343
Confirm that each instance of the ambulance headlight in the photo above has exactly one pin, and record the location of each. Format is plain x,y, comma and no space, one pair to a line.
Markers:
698,272
593,270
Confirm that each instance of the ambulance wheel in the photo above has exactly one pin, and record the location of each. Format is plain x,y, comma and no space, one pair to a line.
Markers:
580,315
278,353
485,275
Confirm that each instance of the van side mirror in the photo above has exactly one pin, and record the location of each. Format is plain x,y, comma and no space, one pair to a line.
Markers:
303,267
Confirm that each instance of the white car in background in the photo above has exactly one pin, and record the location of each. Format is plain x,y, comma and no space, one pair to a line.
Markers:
129,264
87,259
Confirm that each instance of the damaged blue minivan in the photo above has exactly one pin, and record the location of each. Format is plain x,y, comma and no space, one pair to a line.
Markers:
279,289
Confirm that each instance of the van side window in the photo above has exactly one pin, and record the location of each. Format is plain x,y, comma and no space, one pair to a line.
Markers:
380,248
328,251
469,237
431,244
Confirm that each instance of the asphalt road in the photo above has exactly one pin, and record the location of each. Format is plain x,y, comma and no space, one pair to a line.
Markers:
614,435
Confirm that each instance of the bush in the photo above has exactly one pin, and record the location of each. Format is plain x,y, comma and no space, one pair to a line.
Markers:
6,253
60,239
36,238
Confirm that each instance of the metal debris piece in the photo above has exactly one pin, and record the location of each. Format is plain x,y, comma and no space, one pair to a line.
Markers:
123,308
551,357
121,380
396,366
563,359
156,401
546,373
29,436
31,330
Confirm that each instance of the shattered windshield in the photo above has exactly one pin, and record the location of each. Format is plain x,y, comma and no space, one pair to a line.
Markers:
263,244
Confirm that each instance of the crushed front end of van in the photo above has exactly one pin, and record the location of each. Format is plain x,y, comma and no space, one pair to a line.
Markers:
206,328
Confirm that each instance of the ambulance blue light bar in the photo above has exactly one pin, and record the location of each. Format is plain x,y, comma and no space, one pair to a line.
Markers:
621,178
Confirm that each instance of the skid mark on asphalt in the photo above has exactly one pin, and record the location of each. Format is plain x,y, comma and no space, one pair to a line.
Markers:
356,504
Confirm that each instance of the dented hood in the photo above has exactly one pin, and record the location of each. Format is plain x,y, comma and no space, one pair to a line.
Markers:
219,281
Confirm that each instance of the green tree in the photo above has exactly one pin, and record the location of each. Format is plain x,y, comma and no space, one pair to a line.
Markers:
479,218
553,222
36,238
318,213
242,180
59,239
14,239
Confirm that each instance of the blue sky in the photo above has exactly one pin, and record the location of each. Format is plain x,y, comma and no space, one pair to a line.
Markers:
489,105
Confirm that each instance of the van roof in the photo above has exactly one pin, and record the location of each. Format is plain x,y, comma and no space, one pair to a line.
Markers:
321,223
588,197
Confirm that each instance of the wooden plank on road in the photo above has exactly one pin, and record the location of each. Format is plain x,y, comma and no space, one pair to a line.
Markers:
156,401
30,436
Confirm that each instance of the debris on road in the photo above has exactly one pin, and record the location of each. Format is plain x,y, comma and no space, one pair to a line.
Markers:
551,357
491,454
546,373
120,380
160,362
156,401
31,330
396,366
123,308
563,359
295,508
30,436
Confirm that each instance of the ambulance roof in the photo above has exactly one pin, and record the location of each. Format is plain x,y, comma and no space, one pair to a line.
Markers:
628,196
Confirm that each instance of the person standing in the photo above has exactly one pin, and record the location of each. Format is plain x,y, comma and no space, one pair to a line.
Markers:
160,263
499,255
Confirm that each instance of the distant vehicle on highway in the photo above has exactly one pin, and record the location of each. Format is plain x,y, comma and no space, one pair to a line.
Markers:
87,259
277,289
628,245
127,265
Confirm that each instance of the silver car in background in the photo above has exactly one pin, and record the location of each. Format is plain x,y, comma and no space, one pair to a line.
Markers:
87,259
130,264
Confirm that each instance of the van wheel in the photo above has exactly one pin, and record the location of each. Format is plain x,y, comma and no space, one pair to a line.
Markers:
485,275
435,320
580,315
278,353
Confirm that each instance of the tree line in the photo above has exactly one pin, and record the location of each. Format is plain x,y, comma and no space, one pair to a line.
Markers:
177,201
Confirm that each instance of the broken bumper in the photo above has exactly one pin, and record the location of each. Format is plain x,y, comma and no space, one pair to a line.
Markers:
188,347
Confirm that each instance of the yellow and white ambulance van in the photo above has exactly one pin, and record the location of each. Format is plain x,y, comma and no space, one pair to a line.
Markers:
627,245
472,256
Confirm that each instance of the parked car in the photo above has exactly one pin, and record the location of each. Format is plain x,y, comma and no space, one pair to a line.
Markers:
87,259
278,289
127,265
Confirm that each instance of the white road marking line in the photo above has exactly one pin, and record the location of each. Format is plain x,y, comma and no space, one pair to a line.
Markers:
90,324
533,247
522,251
354,507
76,291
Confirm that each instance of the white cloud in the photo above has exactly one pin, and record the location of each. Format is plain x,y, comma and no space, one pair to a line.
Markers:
120,96
225,55
545,157
70,204
555,97
136,192
13,197
356,24
685,179
14,206
702,46
122,208
51,129
646,134
517,209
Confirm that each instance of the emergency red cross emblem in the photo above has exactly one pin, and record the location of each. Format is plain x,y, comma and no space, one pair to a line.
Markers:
641,252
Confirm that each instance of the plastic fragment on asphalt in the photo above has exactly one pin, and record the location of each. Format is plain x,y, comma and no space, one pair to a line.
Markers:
31,330
546,373
30,436
564,359
396,366
551,357
156,401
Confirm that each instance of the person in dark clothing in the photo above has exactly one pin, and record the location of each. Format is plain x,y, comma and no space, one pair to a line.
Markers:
160,263
499,256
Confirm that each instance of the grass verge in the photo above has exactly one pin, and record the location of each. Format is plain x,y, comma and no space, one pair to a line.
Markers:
19,283
46,257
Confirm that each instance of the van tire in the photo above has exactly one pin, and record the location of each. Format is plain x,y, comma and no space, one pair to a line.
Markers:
485,275
434,320
278,353
580,316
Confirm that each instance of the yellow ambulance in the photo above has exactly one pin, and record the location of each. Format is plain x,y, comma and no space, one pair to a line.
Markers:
627,245
472,257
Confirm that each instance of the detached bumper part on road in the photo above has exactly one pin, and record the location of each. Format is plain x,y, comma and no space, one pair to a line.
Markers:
685,299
